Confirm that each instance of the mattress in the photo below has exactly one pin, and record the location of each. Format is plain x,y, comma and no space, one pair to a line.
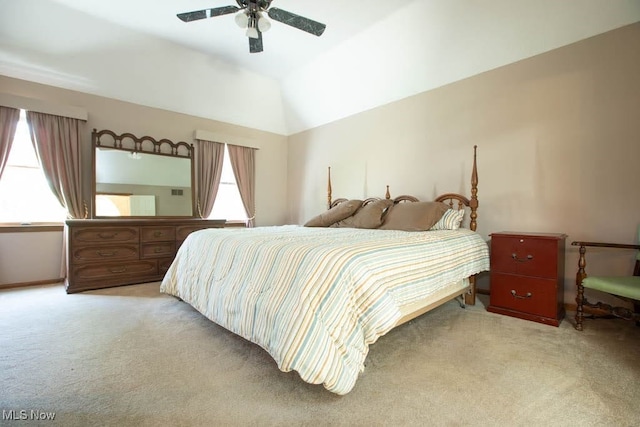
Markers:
316,298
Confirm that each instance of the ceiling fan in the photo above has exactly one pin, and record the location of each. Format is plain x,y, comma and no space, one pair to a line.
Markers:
250,16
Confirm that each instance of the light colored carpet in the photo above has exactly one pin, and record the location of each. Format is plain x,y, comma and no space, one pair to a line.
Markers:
132,356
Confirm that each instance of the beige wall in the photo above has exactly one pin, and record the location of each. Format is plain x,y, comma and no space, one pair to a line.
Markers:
105,113
30,257
558,140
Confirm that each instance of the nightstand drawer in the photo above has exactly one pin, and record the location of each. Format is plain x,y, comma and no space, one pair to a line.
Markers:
524,294
527,256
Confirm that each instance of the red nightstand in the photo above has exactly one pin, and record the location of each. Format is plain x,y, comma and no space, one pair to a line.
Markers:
527,276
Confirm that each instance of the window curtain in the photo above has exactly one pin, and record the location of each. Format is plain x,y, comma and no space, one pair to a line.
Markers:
243,162
208,172
8,123
57,142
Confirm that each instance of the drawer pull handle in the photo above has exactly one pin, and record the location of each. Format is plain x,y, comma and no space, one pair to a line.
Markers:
107,235
515,295
515,256
118,270
105,253
158,250
158,234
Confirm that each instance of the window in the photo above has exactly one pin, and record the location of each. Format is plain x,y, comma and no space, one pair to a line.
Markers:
25,196
228,204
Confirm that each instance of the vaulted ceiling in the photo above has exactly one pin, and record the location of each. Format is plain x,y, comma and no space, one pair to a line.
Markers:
371,53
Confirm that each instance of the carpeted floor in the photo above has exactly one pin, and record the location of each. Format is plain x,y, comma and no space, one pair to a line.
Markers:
132,356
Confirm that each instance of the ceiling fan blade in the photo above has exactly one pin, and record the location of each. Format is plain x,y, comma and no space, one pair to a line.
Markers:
297,21
255,45
207,13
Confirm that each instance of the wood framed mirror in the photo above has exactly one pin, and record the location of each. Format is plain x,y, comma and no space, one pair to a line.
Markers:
141,177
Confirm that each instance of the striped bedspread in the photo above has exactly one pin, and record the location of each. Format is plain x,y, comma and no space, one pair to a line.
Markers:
316,298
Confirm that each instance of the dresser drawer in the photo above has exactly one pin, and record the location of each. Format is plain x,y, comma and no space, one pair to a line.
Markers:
524,255
157,250
91,235
183,231
164,264
114,270
524,294
157,234
85,254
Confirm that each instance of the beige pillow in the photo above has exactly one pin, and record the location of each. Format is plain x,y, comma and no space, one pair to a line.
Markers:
335,214
370,215
414,216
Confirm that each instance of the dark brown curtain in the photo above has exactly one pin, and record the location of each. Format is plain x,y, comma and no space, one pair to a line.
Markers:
58,141
8,123
208,172
243,162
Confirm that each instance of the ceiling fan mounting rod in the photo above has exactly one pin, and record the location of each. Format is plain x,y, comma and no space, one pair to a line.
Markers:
254,5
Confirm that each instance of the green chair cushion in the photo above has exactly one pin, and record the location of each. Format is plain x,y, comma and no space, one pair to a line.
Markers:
628,286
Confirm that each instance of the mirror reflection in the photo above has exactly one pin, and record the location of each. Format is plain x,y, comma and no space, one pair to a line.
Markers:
131,183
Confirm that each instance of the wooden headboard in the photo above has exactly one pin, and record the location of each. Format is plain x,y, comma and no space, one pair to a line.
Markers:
454,200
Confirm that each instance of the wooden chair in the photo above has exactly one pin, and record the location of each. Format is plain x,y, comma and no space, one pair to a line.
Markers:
626,288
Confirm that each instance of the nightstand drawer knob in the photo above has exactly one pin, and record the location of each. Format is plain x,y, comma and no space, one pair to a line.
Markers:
515,256
515,295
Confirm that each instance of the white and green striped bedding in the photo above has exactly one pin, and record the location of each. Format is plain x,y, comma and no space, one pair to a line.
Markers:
316,298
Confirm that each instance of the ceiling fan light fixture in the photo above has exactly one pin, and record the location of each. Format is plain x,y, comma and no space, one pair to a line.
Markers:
242,20
263,24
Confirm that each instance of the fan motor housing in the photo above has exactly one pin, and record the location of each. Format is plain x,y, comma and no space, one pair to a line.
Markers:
259,5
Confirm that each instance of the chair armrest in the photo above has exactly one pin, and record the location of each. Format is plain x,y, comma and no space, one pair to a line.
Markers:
606,245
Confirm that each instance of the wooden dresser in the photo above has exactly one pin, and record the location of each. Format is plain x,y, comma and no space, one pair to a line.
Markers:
527,276
115,252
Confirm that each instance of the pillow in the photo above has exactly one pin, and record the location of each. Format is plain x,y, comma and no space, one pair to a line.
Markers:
450,220
414,216
335,214
370,215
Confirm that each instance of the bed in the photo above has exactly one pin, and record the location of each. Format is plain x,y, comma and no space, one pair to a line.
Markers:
315,297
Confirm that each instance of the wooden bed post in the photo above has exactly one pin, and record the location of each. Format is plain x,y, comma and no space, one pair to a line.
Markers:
473,203
470,297
329,189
